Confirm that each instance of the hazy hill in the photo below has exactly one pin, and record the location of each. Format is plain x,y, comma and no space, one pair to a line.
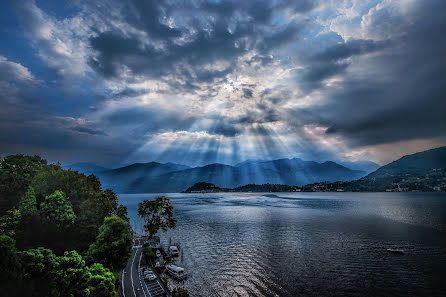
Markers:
367,166
417,164
423,171
156,177
134,177
85,168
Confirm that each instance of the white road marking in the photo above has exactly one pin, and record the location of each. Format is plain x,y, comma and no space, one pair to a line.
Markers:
131,273
122,278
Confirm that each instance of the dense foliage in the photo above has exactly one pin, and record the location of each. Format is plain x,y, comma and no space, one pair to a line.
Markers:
16,174
147,250
203,187
180,292
28,203
121,211
157,214
9,222
50,217
57,210
113,245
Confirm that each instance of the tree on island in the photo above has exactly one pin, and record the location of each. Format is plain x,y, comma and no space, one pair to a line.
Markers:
157,214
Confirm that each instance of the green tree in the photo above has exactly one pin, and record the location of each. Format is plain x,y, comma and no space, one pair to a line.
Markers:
147,250
38,261
9,264
113,246
57,210
101,282
48,275
157,214
121,212
180,292
9,222
16,173
28,203
37,267
70,276
89,202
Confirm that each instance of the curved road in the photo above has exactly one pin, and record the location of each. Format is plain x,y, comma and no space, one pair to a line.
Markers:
132,283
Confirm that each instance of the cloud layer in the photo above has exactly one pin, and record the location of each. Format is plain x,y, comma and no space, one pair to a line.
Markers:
222,81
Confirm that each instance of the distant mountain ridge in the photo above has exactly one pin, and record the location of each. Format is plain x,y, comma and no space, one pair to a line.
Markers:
417,164
422,171
367,166
425,171
155,177
85,168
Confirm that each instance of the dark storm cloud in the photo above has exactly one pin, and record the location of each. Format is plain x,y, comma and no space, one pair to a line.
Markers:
319,71
222,32
225,128
348,49
403,97
129,92
332,61
247,93
142,121
87,130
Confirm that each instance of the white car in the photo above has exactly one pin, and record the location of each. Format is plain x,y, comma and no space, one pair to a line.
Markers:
150,276
158,253
147,271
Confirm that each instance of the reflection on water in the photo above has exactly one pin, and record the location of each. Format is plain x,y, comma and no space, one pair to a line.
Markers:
308,244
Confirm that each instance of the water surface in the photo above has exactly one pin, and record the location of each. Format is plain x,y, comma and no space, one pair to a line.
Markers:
308,244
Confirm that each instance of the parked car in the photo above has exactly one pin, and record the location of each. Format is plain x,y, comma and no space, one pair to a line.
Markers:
150,276
158,253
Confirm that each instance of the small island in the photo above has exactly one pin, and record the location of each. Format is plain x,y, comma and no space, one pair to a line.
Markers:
203,187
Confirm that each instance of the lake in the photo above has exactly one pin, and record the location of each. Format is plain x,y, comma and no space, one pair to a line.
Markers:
308,244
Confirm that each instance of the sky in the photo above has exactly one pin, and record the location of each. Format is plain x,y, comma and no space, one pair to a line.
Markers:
195,82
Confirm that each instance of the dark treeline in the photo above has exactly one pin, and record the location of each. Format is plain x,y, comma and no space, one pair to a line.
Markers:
203,187
61,234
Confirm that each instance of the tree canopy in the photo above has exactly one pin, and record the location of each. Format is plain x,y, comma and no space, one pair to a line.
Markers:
113,246
66,275
147,250
28,203
16,174
57,210
121,211
9,222
66,212
157,214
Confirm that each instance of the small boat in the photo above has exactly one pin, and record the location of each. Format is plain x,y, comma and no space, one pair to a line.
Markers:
395,251
176,271
173,251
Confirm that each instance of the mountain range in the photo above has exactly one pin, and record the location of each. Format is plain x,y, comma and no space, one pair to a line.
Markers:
422,171
169,177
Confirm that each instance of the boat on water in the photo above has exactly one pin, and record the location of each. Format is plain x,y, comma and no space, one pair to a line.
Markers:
173,251
396,251
176,271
